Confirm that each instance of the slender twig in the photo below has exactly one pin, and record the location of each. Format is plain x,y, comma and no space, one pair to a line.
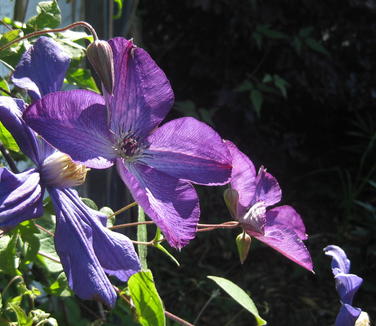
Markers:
213,295
54,30
145,243
43,229
17,277
225,224
6,25
8,158
120,226
121,210
49,257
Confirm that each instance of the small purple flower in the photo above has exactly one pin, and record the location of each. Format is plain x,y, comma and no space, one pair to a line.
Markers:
158,164
347,285
248,198
87,249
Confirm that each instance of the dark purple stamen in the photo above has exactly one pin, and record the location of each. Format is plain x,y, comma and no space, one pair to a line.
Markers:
129,146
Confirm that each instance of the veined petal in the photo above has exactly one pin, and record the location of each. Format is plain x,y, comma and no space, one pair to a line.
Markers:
267,188
340,262
73,242
287,216
142,94
171,203
21,197
11,117
75,122
347,315
243,178
347,285
288,243
42,68
191,150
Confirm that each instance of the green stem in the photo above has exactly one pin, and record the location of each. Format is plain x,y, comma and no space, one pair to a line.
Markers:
142,237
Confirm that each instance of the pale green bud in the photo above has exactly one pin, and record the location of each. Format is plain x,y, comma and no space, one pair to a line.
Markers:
243,243
231,198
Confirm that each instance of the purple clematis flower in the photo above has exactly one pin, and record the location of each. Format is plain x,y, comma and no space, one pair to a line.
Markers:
158,164
87,249
347,285
248,198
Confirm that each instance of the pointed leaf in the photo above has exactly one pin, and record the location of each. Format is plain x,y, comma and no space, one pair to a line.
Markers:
8,257
257,99
7,139
239,295
49,15
149,306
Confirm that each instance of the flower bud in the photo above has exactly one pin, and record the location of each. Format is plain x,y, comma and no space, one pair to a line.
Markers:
58,170
101,58
231,198
243,243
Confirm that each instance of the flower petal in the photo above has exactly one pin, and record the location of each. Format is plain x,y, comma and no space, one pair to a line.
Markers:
347,315
75,122
84,244
267,188
243,178
21,197
287,215
191,150
142,94
42,68
288,243
171,203
11,117
347,285
340,263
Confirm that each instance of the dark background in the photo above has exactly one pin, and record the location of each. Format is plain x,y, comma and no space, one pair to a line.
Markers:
315,131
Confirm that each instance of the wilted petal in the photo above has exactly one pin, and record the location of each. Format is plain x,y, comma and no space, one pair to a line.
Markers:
171,203
242,178
347,285
74,245
340,263
21,197
267,188
142,94
75,122
287,216
347,316
42,68
191,150
288,243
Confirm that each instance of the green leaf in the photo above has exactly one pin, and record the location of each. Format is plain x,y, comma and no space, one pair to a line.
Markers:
22,319
305,32
60,286
188,108
108,212
281,84
270,33
49,15
28,231
7,139
149,306
142,236
119,9
316,46
90,203
244,86
4,86
157,239
8,255
256,99
239,295
8,37
82,78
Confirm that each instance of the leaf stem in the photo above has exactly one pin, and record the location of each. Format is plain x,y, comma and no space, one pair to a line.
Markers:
43,229
120,226
121,210
49,257
142,237
8,158
54,30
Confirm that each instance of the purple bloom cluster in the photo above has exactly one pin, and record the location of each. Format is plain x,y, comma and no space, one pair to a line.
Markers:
280,227
87,249
346,285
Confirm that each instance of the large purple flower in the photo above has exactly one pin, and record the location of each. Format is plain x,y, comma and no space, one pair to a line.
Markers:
87,249
347,285
248,198
157,164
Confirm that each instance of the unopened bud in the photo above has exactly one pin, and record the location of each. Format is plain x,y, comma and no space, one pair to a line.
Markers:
101,58
243,243
58,170
231,198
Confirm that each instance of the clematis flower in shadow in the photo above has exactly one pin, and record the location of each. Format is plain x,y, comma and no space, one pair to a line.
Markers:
347,285
87,249
158,164
249,196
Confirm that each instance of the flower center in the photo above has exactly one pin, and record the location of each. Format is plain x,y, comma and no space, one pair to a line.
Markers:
129,148
58,170
255,217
